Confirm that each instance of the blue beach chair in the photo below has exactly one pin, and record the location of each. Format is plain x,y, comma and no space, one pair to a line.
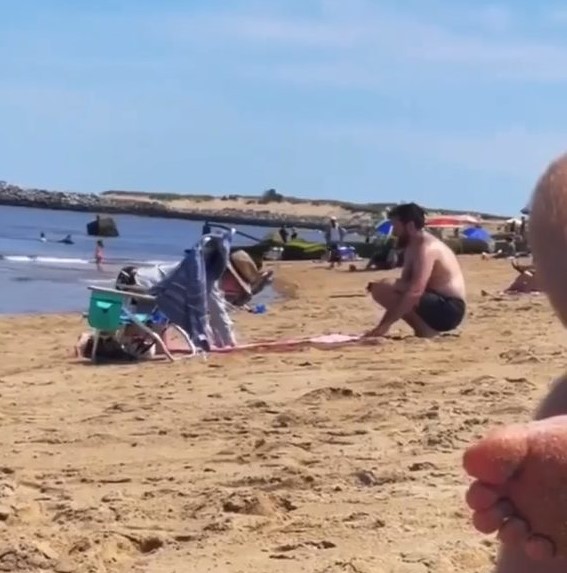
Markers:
124,329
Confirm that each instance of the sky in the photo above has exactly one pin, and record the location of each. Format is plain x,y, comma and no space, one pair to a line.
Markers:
455,104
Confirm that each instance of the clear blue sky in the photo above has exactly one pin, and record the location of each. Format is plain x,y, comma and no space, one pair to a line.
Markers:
455,104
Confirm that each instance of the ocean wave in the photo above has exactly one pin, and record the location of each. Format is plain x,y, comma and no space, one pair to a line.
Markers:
46,260
43,259
106,281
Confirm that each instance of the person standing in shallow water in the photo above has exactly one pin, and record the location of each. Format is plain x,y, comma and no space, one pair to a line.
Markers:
99,254
521,470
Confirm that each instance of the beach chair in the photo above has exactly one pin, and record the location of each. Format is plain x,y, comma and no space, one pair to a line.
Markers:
190,295
186,300
128,331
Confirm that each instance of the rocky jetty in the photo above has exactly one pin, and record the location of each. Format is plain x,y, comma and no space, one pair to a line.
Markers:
91,203
102,227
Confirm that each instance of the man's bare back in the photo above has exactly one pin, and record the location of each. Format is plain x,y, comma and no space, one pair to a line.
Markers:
446,275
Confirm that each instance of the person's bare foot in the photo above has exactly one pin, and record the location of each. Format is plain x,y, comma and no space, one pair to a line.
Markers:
426,332
521,487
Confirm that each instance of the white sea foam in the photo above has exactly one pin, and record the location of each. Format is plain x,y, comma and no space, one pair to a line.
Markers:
44,260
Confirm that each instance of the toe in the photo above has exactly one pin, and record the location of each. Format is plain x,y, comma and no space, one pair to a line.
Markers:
481,496
514,531
497,457
492,519
539,548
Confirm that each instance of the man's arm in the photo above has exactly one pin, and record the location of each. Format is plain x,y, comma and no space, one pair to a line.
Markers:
422,268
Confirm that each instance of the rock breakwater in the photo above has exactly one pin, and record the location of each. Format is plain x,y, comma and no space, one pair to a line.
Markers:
15,196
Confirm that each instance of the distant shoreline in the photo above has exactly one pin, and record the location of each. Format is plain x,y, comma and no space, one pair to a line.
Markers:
232,210
212,216
98,205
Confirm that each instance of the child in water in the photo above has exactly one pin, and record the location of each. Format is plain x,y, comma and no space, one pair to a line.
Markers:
99,254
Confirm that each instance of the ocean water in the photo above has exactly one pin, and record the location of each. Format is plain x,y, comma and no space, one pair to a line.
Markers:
50,277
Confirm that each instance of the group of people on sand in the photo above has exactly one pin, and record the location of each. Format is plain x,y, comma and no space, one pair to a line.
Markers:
520,472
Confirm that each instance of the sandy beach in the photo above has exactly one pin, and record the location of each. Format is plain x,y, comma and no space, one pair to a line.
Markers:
345,460
241,204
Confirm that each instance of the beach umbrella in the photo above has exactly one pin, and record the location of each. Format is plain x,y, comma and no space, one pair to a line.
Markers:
477,233
384,228
450,221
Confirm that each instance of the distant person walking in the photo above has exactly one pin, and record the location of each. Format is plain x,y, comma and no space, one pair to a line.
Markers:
334,235
283,234
523,227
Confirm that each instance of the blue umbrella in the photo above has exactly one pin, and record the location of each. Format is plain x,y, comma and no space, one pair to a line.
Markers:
384,228
477,233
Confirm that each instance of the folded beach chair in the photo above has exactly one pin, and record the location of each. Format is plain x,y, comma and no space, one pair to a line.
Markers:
191,298
130,323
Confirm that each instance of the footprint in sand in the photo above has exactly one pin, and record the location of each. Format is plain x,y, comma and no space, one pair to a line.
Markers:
368,478
329,393
262,504
520,356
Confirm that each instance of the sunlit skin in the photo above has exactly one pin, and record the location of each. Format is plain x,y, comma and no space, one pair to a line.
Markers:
520,471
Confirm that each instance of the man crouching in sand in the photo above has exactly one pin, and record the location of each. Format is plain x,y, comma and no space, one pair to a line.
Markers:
430,294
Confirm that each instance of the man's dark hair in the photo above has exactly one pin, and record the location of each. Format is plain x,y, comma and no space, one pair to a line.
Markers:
409,213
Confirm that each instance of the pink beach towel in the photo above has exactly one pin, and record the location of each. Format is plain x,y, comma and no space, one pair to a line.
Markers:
322,342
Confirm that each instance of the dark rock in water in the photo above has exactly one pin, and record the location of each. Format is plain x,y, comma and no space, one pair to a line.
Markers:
102,227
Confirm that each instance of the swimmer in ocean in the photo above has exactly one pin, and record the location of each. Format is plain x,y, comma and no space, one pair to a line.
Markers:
67,240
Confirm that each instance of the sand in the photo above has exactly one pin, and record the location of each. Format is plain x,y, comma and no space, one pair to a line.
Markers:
318,461
248,207
286,208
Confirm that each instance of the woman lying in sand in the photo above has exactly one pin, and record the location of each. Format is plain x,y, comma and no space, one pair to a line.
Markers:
521,471
525,283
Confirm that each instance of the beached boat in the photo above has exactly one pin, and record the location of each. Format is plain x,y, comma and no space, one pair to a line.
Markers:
299,250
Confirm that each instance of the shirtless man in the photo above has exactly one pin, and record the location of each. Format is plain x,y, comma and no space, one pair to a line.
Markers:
521,471
430,294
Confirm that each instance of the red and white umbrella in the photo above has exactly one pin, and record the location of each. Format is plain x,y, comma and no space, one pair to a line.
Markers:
451,221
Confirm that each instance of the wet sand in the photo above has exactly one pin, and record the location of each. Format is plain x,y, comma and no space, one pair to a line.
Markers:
345,460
